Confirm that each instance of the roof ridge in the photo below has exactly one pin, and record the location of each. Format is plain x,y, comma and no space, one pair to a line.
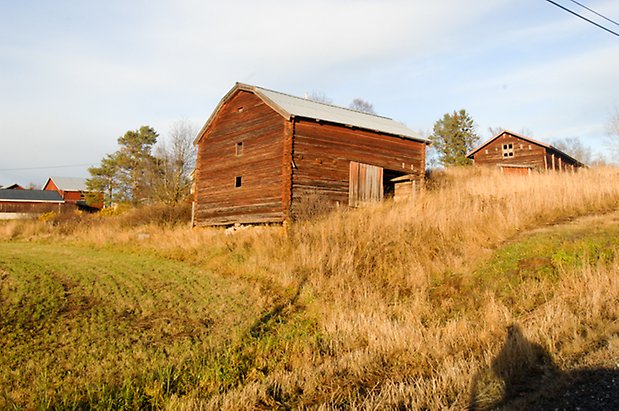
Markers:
288,106
321,102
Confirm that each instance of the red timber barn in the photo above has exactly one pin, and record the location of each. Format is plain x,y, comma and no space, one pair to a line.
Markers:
73,191
517,154
262,153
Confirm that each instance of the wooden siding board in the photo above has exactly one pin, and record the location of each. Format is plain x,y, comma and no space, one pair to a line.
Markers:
356,143
287,161
34,207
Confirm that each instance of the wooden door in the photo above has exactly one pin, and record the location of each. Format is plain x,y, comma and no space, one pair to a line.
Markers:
365,183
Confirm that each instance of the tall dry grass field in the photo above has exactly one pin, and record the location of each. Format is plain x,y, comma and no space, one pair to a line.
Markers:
399,304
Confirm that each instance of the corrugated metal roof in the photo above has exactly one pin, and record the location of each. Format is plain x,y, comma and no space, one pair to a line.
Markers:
292,106
300,107
30,196
69,183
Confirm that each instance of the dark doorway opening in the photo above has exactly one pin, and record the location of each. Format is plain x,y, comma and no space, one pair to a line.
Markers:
388,183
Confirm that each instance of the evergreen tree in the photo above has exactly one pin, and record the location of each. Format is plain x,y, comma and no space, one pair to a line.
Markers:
104,180
453,136
124,175
134,160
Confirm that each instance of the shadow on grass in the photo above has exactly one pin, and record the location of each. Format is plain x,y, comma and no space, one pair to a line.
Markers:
523,376
276,314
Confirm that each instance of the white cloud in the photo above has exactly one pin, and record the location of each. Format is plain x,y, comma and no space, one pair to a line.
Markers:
81,69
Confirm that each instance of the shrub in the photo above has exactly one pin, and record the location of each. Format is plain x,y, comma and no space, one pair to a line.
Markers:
310,206
115,210
157,214
48,216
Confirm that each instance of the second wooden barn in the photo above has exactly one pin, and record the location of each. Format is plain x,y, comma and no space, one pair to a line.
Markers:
514,153
262,153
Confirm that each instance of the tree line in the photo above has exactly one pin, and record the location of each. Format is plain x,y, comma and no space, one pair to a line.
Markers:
145,169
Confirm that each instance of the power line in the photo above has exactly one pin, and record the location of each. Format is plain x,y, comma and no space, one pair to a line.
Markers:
583,17
595,12
45,167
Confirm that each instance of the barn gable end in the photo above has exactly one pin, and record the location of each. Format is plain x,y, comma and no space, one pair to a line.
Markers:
239,165
517,154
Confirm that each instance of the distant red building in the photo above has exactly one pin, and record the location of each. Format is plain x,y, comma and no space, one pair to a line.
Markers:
73,191
16,203
12,187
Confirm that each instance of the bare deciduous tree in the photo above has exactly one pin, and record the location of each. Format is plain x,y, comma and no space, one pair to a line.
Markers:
613,128
614,124
574,147
360,104
175,161
495,130
320,97
612,139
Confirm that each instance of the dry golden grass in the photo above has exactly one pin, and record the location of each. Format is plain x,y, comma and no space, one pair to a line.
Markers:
400,313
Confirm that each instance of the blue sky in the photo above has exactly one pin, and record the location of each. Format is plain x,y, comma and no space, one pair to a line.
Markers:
75,75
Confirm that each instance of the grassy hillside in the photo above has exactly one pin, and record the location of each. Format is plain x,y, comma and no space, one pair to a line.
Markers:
83,326
423,304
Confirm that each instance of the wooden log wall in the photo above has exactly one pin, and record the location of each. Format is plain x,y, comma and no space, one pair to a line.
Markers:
33,207
69,196
244,119
525,153
322,154
72,196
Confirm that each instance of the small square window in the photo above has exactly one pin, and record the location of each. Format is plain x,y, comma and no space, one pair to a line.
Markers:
238,148
238,181
508,150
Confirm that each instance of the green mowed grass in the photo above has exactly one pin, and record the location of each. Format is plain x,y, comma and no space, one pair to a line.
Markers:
99,327
523,272
542,254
